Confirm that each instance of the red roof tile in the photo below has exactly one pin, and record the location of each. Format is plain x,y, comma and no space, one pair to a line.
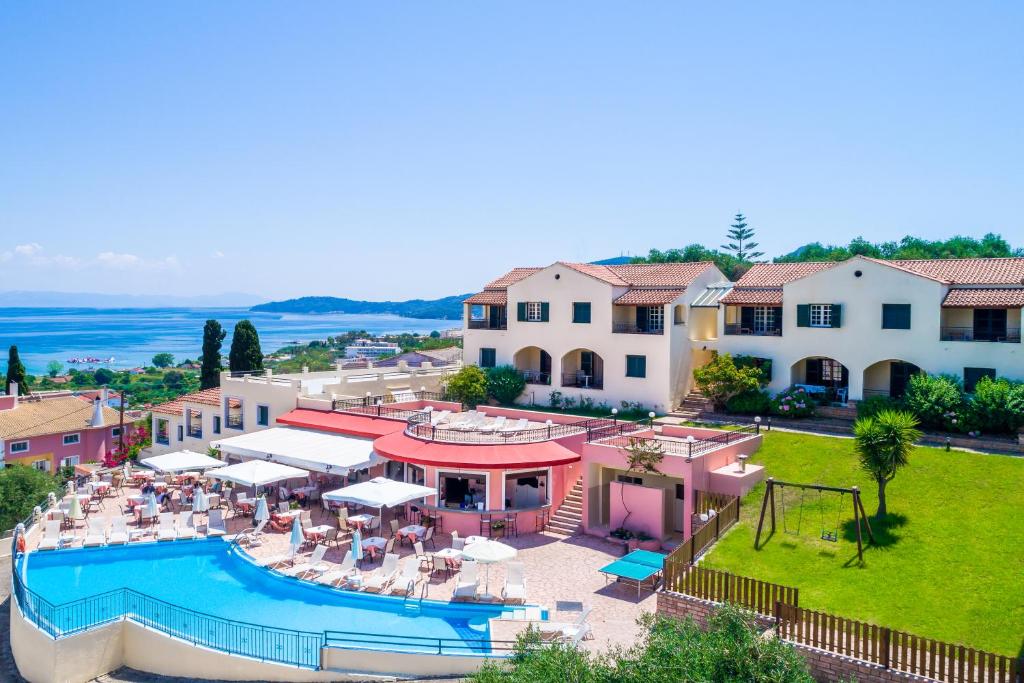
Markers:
649,297
341,423
661,274
511,277
988,297
210,397
489,298
778,274
969,271
603,273
753,296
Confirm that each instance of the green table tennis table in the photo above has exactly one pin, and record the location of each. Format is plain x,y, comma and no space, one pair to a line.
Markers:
639,567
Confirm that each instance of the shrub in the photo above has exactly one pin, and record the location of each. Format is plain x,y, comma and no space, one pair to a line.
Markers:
873,405
721,379
468,385
505,384
937,400
995,406
555,399
753,402
793,402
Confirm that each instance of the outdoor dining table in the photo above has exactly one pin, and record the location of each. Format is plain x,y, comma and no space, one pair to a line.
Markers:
315,533
449,555
359,520
374,541
414,530
132,501
100,488
287,516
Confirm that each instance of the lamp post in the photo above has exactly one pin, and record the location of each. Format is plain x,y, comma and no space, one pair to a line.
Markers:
615,413
757,424
689,448
650,417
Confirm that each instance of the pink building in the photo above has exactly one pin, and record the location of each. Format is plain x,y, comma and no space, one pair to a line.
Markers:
49,432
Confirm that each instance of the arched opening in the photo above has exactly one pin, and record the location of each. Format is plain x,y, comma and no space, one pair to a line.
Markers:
582,368
535,364
825,379
888,378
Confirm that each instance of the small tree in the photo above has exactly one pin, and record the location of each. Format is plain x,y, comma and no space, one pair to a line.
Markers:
15,371
213,338
245,354
468,385
21,489
54,368
644,456
884,443
163,360
174,379
721,379
741,245
103,376
505,384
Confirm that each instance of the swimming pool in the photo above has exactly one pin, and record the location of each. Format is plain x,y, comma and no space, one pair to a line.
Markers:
208,592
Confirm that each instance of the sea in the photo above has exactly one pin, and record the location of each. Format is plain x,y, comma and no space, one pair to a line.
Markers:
132,336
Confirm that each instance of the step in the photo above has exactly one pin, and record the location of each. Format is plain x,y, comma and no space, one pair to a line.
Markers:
567,529
562,512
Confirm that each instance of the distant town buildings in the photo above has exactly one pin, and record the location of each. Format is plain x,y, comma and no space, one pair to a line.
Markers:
371,348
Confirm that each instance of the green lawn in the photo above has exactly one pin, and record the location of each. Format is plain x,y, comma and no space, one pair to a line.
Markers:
950,563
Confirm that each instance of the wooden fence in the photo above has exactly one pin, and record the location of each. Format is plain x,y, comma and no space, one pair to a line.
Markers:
717,586
685,555
895,650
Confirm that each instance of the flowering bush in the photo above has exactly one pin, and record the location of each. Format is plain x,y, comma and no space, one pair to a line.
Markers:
793,402
134,441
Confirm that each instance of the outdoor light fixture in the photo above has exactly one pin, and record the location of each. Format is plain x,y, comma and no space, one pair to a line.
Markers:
947,444
651,416
757,424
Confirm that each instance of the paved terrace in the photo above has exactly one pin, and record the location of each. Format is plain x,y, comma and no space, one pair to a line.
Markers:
559,571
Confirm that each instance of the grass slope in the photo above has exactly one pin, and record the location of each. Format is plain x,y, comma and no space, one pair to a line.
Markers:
950,563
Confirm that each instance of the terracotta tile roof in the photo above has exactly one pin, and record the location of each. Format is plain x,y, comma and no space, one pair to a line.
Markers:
754,296
673,275
987,297
210,397
50,416
649,297
968,271
604,273
489,297
511,277
778,274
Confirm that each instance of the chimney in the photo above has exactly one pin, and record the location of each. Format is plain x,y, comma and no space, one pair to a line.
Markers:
104,395
13,388
97,413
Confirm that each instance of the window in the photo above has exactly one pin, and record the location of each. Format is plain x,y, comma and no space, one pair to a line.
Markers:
626,479
821,315
655,318
181,432
18,447
41,465
895,316
636,366
581,312
532,311
69,461
72,439
263,415
194,423
115,432
462,490
216,424
162,432
488,358
678,314
764,320
973,375
831,371
990,324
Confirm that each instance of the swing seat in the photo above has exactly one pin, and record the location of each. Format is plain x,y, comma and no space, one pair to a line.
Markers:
829,536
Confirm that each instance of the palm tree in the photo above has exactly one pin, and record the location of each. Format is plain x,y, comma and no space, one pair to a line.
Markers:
884,443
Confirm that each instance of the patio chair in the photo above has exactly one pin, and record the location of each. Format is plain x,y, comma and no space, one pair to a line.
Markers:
214,501
382,578
283,506
166,531
315,564
428,537
215,524
468,582
421,554
394,527
344,570
553,630
96,533
344,532
51,539
186,526
514,592
405,584
458,543
389,547
118,532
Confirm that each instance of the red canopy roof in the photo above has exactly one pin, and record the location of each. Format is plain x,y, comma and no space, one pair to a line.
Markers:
399,446
341,423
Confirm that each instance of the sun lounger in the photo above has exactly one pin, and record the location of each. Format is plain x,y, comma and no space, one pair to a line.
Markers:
186,526
344,570
215,524
463,420
382,578
405,584
514,591
95,534
468,582
118,532
496,426
51,539
439,416
573,630
166,532
275,561
314,564
517,426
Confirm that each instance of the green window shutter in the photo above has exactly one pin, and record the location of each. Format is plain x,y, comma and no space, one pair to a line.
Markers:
487,358
544,311
581,312
803,315
895,316
521,311
636,366
837,315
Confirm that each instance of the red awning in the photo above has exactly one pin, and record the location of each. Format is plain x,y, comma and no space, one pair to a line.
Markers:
341,423
399,446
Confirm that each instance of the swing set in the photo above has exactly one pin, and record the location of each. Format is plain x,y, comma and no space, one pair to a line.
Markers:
829,530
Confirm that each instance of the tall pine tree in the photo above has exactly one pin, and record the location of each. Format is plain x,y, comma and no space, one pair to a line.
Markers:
245,354
16,371
213,337
740,246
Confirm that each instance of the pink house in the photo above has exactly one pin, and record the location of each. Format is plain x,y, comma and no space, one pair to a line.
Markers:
49,432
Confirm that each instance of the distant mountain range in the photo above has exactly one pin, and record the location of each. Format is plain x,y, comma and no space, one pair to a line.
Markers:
29,299
449,307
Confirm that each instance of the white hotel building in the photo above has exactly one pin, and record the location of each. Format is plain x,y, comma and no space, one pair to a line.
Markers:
849,329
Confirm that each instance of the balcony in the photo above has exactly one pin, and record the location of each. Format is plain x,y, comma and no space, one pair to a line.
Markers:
971,334
234,422
195,432
537,377
488,324
582,381
633,328
735,329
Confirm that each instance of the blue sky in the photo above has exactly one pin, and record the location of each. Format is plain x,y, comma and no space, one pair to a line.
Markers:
418,149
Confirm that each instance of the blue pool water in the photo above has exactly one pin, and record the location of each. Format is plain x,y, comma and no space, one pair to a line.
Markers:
214,579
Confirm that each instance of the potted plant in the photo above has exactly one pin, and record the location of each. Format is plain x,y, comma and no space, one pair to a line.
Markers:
497,528
626,536
647,542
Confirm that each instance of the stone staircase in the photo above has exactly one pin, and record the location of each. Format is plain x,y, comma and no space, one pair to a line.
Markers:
568,519
692,405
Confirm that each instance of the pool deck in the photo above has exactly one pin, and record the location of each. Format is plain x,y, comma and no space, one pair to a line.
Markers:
559,571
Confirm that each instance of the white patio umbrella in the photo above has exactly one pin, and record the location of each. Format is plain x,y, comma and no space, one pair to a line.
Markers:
297,538
75,509
357,546
152,508
181,461
200,501
488,552
380,493
262,512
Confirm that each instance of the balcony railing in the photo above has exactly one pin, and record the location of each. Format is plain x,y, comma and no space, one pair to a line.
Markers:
688,449
582,381
633,328
753,332
418,426
970,334
488,325
536,377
